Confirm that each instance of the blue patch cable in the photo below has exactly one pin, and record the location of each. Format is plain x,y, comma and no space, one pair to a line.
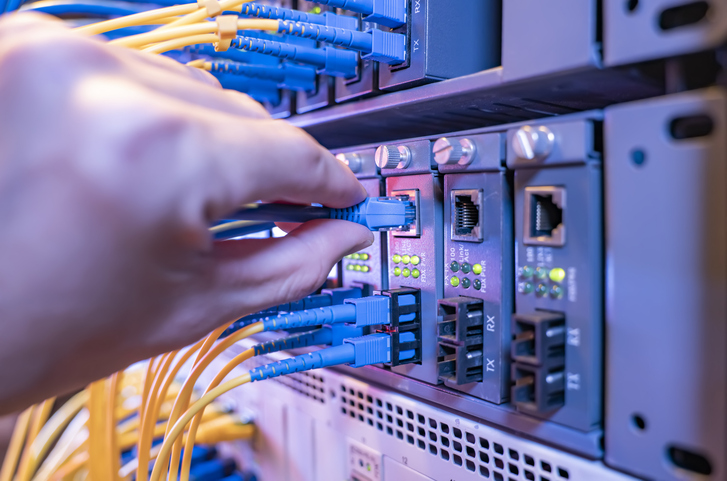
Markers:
286,75
374,44
355,352
328,60
376,213
328,19
390,13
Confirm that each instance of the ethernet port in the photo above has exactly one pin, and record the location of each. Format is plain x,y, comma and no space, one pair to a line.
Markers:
544,223
467,215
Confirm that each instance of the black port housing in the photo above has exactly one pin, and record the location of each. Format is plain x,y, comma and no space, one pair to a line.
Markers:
406,322
544,216
537,389
538,339
460,330
467,213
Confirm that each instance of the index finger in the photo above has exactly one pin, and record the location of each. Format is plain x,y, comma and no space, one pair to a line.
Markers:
272,160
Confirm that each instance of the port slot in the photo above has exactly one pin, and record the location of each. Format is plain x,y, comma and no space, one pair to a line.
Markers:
467,215
537,389
460,328
414,229
538,339
406,325
544,216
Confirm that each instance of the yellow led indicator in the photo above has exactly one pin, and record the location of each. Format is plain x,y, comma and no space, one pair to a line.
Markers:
415,273
364,257
557,275
315,10
349,267
357,268
454,281
356,256
396,258
477,269
415,260
397,271
365,268
405,272
405,259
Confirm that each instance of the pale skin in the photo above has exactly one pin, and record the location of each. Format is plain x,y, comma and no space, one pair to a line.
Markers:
113,163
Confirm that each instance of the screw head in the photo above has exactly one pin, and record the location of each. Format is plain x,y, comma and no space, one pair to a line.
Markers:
533,143
393,157
353,161
453,151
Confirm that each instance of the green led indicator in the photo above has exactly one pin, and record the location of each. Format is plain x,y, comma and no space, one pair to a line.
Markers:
365,268
406,272
466,283
396,258
316,10
356,256
415,260
349,267
454,281
357,268
397,271
526,272
454,266
541,290
364,257
525,287
405,259
477,269
415,273
541,272
466,268
477,284
556,292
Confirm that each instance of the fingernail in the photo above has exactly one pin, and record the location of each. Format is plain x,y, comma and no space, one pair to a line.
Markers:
362,245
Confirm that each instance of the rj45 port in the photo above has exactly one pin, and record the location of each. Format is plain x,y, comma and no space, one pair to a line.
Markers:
466,217
544,216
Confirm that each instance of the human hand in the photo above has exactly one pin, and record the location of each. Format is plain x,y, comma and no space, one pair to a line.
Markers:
113,163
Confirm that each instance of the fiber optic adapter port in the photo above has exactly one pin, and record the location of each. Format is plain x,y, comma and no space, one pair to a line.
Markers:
544,223
537,390
467,215
460,349
538,339
406,325
414,229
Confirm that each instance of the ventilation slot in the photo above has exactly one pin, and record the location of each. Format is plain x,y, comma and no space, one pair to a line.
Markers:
689,460
691,127
683,15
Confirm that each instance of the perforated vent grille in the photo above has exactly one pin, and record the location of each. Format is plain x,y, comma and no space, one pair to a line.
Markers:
308,384
447,440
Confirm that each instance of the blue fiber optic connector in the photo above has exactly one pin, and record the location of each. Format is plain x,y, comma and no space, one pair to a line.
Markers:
328,19
366,311
376,213
317,337
356,352
390,13
386,47
327,60
293,77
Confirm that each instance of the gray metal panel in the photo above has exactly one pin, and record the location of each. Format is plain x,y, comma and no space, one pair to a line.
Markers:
635,35
540,37
666,311
488,156
495,255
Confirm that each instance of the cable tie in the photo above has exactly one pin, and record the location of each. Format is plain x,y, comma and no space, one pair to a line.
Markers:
213,7
226,30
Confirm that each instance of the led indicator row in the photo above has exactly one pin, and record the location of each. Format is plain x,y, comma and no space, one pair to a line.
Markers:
362,256
406,259
406,272
357,268
466,268
534,280
465,283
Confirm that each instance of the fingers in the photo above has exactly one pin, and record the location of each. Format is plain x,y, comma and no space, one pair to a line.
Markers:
272,160
253,274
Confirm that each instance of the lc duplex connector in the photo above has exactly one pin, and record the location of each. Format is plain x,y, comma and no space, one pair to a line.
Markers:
389,13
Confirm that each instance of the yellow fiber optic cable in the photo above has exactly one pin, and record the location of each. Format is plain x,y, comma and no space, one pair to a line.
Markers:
137,19
181,43
15,448
52,430
156,36
191,435
73,466
203,13
37,420
181,403
112,393
99,456
178,427
70,443
149,419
